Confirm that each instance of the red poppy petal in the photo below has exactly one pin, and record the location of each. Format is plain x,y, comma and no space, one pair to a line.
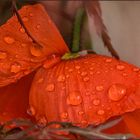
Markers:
14,99
85,90
18,54
120,127
132,121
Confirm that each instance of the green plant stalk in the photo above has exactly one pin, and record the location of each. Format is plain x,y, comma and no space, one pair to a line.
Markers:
77,30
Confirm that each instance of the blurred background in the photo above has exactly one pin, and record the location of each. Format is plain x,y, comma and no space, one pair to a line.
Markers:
121,18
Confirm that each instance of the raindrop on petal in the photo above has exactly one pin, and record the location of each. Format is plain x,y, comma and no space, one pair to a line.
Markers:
3,55
108,60
136,69
83,73
70,70
42,122
64,115
15,68
9,40
124,74
86,79
100,112
77,67
74,98
38,26
35,51
116,92
80,112
99,88
84,122
22,30
91,68
50,87
61,78
31,111
91,73
67,76
96,102
31,14
23,45
87,93
25,19
40,80
120,67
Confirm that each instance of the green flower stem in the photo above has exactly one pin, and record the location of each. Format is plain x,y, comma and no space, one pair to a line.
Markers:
77,30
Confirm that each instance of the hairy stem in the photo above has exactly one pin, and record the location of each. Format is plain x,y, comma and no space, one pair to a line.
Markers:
77,30
15,10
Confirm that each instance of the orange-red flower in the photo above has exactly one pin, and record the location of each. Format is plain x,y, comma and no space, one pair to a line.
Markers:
84,90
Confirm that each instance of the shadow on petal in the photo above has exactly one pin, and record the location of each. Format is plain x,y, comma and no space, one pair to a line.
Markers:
132,121
14,99
120,127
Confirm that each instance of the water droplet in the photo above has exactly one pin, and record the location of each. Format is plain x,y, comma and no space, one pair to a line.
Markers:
17,56
86,62
136,69
50,87
124,74
78,72
31,111
63,88
86,79
35,51
77,67
23,45
90,107
70,70
100,112
31,14
64,115
22,30
25,19
40,80
66,67
61,78
98,72
15,68
80,112
120,67
87,93
91,68
116,92
99,88
74,98
67,76
108,60
42,122
9,40
93,63
38,26
84,122
96,102
91,73
3,55
83,73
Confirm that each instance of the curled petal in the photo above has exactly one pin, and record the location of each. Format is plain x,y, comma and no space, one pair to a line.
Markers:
19,55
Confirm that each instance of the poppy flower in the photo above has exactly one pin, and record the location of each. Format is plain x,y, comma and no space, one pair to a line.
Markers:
82,89
86,90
